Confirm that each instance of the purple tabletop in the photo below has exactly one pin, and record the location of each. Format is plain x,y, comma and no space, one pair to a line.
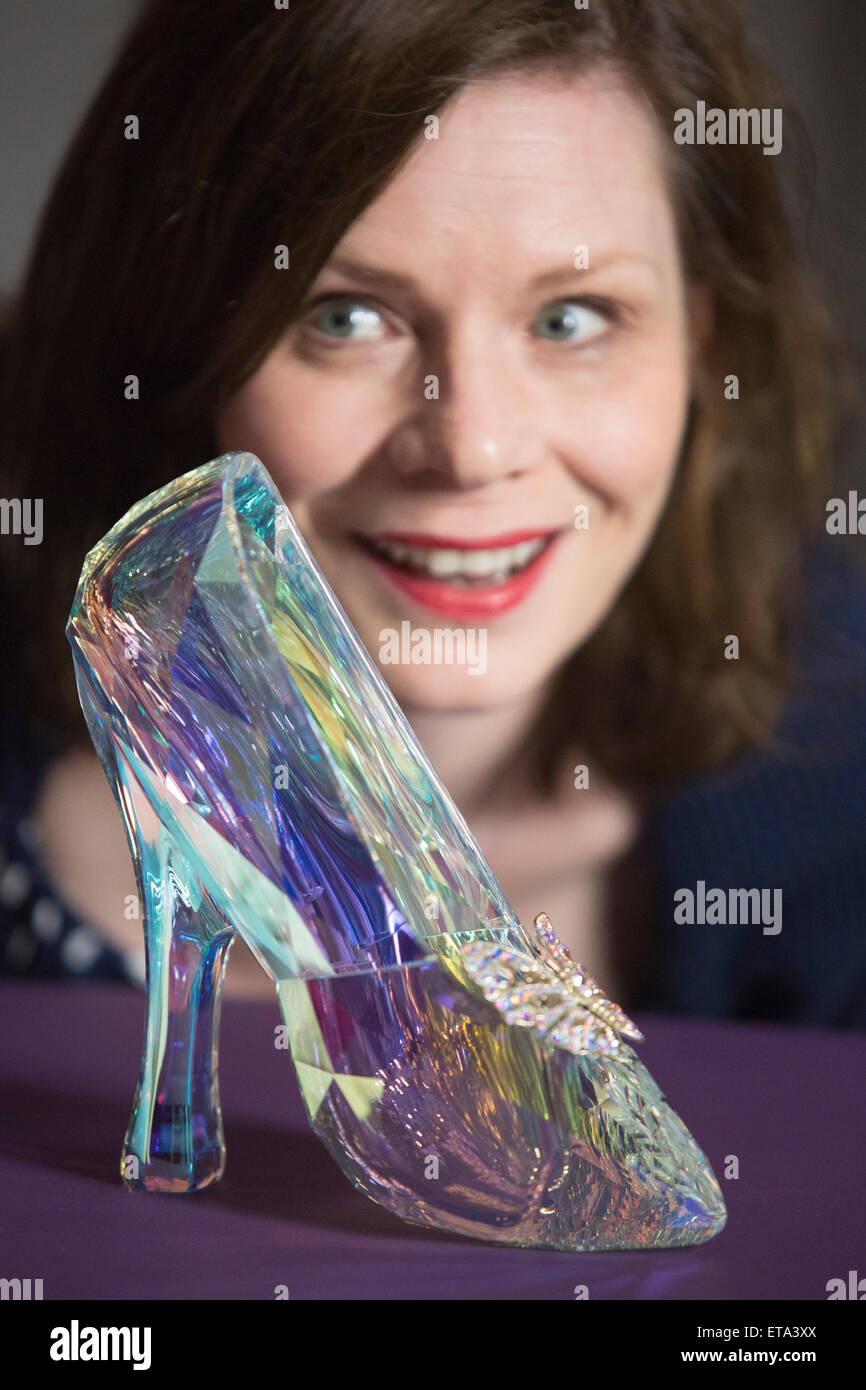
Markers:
787,1103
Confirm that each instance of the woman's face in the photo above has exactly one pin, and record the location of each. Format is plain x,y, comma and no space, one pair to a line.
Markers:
477,423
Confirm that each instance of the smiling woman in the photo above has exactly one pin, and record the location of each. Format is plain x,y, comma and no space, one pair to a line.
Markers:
451,273
556,388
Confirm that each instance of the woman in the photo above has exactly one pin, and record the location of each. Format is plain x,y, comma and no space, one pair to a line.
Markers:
522,365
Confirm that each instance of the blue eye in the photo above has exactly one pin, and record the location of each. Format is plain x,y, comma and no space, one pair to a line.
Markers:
567,322
347,318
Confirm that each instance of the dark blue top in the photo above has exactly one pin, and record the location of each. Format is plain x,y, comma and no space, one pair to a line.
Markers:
790,825
793,822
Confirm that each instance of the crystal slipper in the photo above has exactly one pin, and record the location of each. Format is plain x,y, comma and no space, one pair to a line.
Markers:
462,1071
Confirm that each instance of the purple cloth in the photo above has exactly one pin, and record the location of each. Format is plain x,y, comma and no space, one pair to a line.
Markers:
787,1101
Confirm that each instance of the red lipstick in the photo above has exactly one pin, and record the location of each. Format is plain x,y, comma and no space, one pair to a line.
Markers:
464,603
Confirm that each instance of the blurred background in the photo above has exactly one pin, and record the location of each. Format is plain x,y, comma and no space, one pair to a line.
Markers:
53,54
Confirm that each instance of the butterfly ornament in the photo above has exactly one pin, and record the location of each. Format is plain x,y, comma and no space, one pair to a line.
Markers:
549,992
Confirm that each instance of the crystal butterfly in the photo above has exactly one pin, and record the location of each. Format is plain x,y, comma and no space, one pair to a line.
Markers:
549,992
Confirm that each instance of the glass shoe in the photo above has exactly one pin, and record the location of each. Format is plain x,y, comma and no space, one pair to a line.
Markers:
460,1068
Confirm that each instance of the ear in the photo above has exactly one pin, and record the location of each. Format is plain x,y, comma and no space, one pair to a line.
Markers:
700,307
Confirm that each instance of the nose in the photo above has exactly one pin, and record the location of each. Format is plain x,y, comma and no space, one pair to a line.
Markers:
475,422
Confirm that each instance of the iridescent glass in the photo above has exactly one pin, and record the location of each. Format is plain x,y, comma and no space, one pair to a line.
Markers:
271,788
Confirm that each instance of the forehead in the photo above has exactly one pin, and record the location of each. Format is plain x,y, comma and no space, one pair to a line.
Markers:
529,166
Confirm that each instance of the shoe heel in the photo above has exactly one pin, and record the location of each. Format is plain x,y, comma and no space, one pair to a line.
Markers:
174,1141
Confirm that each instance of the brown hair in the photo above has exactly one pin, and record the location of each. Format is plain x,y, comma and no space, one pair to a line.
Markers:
261,126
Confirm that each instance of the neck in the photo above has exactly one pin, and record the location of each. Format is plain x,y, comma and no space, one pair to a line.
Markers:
479,754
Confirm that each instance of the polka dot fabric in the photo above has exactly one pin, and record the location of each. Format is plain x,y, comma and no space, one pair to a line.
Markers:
39,934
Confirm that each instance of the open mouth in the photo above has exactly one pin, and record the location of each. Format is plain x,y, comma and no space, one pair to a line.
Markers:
467,567
463,580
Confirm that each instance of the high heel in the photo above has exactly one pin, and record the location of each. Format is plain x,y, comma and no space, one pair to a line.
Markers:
175,1141
463,1073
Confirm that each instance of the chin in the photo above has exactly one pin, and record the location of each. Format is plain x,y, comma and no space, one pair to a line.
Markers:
489,669
442,689
503,678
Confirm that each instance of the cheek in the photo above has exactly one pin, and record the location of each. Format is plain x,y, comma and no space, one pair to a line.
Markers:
625,444
311,432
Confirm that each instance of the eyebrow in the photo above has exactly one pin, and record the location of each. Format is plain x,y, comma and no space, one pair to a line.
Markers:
392,279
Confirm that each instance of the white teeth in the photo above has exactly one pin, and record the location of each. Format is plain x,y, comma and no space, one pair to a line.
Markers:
462,564
443,563
479,562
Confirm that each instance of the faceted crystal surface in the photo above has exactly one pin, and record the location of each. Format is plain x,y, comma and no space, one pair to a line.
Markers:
235,709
